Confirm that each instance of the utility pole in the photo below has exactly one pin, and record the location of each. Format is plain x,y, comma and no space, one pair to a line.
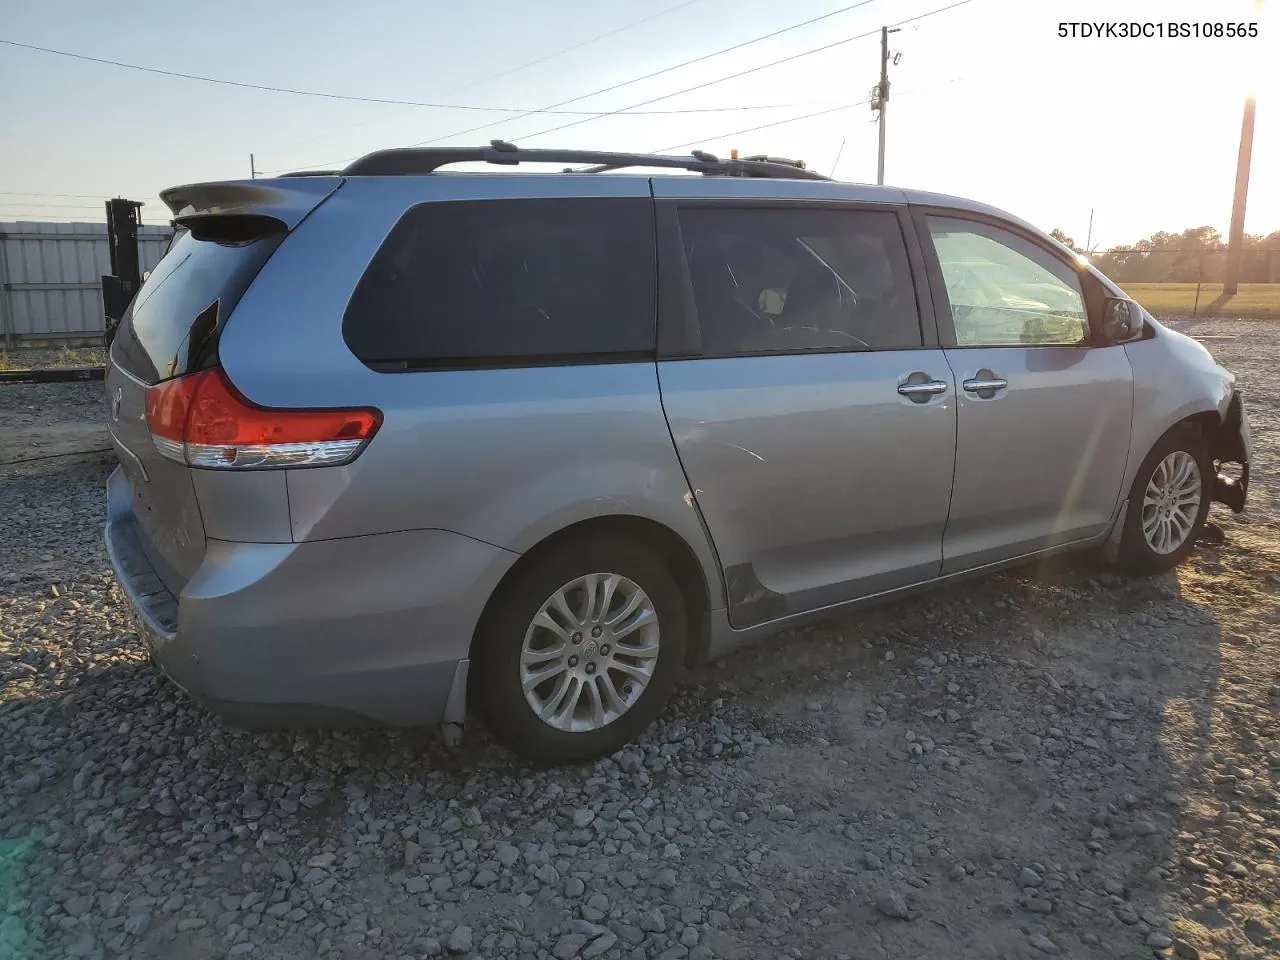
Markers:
880,95
1235,237
253,171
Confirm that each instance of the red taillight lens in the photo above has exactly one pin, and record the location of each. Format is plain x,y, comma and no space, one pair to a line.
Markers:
168,405
203,421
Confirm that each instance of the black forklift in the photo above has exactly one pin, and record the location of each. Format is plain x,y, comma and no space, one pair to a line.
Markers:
120,286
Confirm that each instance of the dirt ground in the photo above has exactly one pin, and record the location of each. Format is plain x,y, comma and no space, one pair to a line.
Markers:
1054,762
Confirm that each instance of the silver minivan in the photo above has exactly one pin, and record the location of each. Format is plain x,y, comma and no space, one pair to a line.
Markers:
396,442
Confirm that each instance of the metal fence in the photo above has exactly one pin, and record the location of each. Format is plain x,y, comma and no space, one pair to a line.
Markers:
1188,281
1186,265
51,278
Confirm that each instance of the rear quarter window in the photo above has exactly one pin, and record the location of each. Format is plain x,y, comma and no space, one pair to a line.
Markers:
171,328
509,283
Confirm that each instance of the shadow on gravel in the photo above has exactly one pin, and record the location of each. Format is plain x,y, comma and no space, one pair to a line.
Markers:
1011,756
1058,762
1003,768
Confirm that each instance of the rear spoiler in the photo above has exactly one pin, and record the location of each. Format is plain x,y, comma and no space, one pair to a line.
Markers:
287,202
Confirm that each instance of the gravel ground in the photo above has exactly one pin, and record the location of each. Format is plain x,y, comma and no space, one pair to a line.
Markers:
1054,762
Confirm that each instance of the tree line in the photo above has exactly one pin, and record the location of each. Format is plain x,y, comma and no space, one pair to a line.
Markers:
1197,254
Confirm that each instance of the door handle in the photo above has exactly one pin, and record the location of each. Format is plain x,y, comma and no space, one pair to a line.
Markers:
985,384
926,389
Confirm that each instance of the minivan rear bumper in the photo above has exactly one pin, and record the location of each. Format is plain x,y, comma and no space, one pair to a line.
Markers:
327,632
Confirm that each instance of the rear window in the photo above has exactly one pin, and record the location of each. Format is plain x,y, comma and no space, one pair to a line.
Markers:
509,282
172,326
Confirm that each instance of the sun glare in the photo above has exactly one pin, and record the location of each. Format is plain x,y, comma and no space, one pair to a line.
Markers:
1228,69
1257,64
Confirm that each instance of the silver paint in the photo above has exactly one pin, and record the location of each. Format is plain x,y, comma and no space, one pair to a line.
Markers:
810,478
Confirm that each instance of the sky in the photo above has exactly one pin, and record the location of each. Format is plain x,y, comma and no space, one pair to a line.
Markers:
987,100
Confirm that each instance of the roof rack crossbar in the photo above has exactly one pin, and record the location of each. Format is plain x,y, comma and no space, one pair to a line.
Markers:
406,161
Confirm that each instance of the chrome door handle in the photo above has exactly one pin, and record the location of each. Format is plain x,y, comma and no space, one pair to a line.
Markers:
926,389
980,384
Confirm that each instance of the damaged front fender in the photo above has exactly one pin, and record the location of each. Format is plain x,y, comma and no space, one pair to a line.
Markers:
1231,443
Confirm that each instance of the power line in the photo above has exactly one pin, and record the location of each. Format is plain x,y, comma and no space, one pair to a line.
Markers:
617,86
573,47
634,110
51,206
11,218
335,164
59,206
656,73
522,111
763,126
743,73
506,73
86,218
79,196
806,116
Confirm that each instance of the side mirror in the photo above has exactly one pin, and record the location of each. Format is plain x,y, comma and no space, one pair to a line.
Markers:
1121,320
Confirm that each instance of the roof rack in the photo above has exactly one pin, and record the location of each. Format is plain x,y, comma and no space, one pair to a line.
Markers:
407,161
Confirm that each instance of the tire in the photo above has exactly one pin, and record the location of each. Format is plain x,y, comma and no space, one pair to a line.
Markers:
497,686
1138,554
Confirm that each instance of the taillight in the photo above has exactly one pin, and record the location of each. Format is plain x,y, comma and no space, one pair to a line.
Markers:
203,421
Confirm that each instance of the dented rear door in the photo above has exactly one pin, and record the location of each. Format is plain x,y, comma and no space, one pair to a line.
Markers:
819,438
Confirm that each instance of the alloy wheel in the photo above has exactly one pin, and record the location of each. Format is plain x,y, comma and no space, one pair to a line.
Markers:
1171,502
589,652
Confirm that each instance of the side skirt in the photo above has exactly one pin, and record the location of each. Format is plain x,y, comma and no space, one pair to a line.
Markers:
724,638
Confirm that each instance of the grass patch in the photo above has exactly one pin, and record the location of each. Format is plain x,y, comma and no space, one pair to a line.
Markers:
1254,300
27,357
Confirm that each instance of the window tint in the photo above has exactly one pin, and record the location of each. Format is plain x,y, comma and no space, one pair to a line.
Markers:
509,281
774,280
1005,290
171,327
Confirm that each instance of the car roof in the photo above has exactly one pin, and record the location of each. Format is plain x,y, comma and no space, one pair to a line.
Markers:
411,161
418,161
764,177
926,198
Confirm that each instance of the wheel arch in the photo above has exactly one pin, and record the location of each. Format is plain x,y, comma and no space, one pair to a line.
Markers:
1206,423
687,570
1195,430
1204,418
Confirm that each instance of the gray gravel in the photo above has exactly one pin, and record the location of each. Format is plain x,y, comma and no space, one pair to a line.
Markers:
1060,762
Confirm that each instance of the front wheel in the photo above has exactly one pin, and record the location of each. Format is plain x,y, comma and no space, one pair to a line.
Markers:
580,651
1168,503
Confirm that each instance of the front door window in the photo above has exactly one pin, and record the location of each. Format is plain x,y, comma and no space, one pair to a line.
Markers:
1006,291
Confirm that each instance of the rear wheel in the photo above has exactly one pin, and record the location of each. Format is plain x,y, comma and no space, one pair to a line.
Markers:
580,651
1168,503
